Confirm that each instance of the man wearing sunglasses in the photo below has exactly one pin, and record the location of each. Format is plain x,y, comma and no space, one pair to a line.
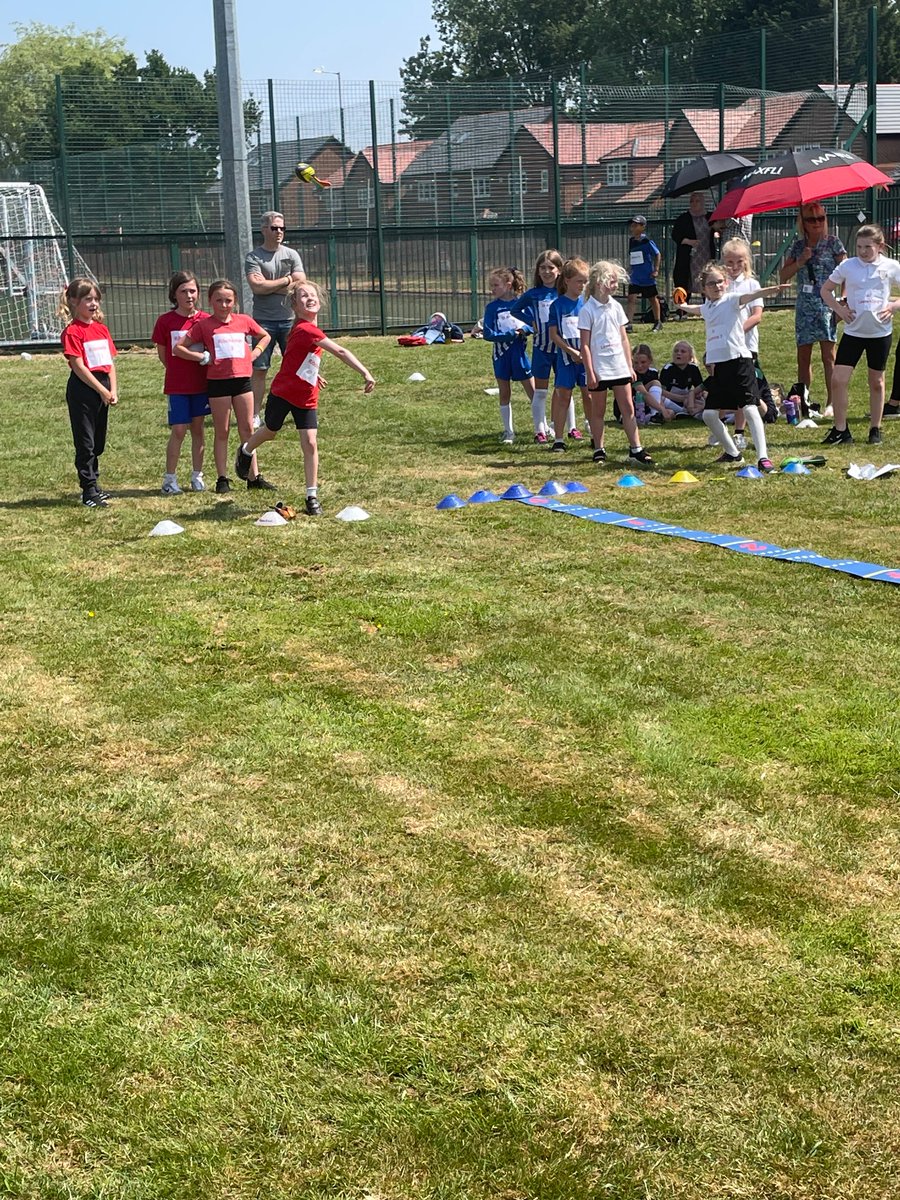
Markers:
271,270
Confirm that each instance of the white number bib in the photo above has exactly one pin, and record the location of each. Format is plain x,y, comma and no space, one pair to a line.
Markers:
229,345
507,323
309,369
570,328
97,354
544,307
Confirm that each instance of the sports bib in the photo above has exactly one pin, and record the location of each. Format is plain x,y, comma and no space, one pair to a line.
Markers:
507,323
637,258
97,355
229,345
544,307
308,370
570,328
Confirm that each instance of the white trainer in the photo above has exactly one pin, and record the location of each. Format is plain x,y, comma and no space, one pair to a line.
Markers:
197,484
170,486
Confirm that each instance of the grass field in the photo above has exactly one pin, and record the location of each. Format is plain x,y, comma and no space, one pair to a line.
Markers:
446,856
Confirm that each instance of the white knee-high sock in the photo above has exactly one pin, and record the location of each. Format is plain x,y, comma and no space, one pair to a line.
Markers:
571,423
506,417
539,410
757,430
713,422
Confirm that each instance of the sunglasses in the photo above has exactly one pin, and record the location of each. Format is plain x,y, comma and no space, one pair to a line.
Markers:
276,228
813,220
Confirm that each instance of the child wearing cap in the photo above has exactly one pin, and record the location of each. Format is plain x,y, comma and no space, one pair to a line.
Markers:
643,268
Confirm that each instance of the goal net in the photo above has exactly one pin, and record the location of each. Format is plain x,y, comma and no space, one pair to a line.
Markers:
33,265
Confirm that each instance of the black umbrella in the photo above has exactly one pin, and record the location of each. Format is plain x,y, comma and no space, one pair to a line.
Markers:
705,171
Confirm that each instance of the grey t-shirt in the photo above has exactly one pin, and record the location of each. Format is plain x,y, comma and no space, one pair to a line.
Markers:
272,264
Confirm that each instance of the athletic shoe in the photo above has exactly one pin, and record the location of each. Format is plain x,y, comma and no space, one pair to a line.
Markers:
102,495
599,455
874,436
558,448
223,485
170,486
197,484
765,464
837,437
261,484
891,409
731,460
506,439
576,435
657,328
640,456
828,411
541,438
93,500
313,507
242,463
740,441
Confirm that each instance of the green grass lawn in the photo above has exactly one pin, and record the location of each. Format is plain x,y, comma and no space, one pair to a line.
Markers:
445,856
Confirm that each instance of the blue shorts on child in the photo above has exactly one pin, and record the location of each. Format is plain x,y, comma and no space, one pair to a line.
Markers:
184,407
542,362
569,375
513,363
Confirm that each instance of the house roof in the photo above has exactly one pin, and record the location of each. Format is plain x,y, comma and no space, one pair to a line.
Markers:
475,141
288,154
633,139
403,153
742,125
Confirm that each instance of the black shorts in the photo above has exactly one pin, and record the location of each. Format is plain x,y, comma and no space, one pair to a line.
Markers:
850,349
643,289
732,385
603,385
277,411
216,388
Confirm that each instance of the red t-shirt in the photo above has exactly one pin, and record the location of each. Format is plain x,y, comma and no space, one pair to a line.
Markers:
298,380
183,378
92,343
230,351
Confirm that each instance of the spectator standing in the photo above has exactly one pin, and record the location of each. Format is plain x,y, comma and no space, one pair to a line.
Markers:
272,270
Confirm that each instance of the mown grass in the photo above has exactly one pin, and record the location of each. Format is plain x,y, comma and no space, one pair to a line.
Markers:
449,855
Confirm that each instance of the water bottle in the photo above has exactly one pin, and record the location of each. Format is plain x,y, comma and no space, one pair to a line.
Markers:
640,409
791,413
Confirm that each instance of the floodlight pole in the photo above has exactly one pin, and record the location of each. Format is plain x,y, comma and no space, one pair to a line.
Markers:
232,148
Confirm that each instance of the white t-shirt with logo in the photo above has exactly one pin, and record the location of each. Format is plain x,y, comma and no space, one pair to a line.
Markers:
741,287
605,323
725,340
868,287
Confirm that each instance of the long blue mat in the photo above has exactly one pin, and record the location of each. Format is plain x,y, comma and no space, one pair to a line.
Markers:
604,516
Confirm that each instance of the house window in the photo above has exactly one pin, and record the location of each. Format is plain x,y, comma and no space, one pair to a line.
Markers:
482,187
545,181
364,197
520,187
807,146
427,191
682,162
617,174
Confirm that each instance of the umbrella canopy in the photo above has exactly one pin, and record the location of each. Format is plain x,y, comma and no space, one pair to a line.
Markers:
799,177
705,171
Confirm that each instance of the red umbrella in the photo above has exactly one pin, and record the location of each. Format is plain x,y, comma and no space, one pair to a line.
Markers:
799,177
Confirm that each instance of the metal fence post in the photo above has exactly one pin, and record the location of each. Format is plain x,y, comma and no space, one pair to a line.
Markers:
762,88
721,117
557,202
379,231
64,176
872,102
273,148
332,282
475,308
584,187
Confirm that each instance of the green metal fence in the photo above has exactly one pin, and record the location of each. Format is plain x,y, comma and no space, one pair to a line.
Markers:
430,187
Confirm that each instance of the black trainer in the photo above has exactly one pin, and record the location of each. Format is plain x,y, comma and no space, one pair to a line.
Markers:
599,455
313,507
640,456
93,500
891,409
874,436
242,463
558,447
732,459
837,437
261,484
103,495
223,485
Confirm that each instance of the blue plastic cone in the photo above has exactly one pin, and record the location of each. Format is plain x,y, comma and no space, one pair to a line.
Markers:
795,468
749,473
552,488
518,491
630,481
575,487
483,496
451,501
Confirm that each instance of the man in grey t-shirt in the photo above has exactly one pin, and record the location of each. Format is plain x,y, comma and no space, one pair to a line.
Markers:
271,270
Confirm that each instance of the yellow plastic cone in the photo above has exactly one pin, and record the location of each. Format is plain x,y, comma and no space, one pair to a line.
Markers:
684,477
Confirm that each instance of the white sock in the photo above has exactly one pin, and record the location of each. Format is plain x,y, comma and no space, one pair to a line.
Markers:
673,407
506,418
571,423
757,430
539,410
311,491
713,422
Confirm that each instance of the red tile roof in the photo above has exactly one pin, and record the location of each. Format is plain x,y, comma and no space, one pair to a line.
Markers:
633,139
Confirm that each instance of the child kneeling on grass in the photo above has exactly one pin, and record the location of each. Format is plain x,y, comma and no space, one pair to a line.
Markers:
295,390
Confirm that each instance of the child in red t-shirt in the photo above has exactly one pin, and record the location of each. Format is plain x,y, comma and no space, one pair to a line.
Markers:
185,382
295,390
92,388
232,342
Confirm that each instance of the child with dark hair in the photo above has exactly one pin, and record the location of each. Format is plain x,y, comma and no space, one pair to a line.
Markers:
185,382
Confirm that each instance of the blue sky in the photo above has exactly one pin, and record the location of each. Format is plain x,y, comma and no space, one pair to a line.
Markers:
363,39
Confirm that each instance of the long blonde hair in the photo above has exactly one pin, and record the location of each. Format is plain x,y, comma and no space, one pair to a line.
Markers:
610,274
737,245
71,297
813,209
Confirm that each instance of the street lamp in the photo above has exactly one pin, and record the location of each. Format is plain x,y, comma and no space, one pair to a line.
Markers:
322,71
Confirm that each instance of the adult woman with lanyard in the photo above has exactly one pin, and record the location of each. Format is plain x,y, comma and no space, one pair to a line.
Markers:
693,238
812,257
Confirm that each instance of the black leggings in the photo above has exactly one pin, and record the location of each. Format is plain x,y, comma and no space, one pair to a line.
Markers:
88,416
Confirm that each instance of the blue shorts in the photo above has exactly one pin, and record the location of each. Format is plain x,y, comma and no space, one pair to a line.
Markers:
513,363
184,407
569,375
278,331
542,362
